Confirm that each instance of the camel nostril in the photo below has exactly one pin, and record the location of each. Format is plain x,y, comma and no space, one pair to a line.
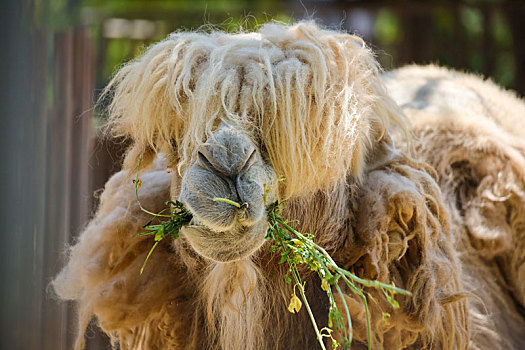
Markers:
250,160
205,163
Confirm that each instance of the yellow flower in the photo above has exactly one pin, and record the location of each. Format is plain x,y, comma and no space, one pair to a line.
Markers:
385,318
325,286
297,242
295,304
299,259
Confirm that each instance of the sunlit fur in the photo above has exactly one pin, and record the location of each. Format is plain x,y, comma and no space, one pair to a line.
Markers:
313,103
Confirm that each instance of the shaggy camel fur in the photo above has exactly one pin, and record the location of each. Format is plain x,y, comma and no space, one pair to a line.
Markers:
217,115
473,134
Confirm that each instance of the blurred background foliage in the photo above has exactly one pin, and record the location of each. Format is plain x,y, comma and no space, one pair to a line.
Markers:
57,55
473,35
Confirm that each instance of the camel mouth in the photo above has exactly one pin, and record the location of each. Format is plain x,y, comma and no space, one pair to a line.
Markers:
227,218
224,189
223,232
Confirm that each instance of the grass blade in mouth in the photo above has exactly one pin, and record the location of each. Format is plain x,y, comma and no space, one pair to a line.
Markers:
230,202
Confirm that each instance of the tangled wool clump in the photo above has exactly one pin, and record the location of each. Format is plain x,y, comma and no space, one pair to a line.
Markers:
314,104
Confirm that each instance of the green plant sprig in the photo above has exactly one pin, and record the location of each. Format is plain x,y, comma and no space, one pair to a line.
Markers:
177,218
296,248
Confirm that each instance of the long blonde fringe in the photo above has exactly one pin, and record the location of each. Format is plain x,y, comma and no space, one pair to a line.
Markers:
298,90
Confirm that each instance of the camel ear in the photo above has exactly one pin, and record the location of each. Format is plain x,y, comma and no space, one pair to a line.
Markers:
489,191
486,221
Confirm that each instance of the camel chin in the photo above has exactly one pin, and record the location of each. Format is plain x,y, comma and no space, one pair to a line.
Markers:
234,245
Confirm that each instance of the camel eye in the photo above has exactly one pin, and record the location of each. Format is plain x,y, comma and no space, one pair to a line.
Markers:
205,163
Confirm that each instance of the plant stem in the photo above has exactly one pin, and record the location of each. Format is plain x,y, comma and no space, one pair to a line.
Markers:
346,275
147,257
341,295
137,193
312,318
364,282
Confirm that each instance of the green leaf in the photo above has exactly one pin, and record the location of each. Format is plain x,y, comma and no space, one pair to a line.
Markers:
146,233
385,318
153,227
160,234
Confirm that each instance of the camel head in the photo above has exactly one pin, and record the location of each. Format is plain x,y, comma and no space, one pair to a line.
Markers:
228,165
234,112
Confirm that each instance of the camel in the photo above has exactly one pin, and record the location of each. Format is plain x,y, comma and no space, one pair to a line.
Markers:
414,177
